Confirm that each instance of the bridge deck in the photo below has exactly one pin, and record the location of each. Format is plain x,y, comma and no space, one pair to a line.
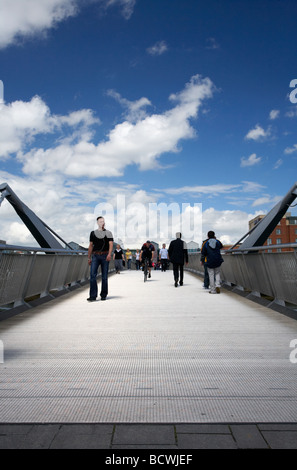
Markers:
151,353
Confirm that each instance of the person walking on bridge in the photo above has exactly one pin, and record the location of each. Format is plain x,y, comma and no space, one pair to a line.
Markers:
128,258
118,257
163,257
203,263
178,254
211,251
99,254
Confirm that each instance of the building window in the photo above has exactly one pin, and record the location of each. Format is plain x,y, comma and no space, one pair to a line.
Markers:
278,241
269,241
278,231
296,231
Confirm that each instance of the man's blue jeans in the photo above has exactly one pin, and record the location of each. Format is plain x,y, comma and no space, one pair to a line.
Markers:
99,260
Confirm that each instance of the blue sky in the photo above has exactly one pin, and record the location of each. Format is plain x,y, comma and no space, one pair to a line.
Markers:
162,101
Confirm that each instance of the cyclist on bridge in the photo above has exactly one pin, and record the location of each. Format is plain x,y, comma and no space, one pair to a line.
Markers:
147,252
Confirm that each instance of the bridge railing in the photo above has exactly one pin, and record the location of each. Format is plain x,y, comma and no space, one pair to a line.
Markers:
261,273
30,273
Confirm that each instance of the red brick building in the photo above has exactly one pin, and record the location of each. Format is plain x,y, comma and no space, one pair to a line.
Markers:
284,232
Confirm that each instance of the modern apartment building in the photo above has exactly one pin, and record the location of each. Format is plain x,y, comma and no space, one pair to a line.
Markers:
285,231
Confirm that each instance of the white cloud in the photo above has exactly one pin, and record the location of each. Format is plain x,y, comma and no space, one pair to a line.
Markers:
264,200
127,6
21,122
211,190
250,161
26,18
139,143
278,164
82,116
135,109
65,206
290,150
70,210
23,18
158,49
228,225
292,113
215,189
274,114
240,194
251,187
258,133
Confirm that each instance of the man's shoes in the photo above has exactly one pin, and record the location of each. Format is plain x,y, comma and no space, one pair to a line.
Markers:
181,283
175,283
103,298
218,291
149,275
91,299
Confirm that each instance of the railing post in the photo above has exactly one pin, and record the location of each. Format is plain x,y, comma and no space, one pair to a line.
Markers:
46,293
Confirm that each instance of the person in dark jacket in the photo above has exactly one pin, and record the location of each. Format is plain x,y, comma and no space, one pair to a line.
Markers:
203,263
211,250
178,254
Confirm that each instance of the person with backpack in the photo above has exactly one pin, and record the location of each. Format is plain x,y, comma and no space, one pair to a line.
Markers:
211,251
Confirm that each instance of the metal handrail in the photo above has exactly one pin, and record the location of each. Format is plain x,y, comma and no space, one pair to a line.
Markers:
260,248
37,249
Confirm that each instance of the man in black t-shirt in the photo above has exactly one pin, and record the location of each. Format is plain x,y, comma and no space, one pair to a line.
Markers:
99,254
118,257
147,252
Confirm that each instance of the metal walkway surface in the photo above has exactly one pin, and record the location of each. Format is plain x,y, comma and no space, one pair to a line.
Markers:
151,353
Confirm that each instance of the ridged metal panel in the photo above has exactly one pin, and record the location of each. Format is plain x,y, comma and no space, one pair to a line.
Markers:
283,275
39,275
59,272
14,274
150,353
23,276
257,275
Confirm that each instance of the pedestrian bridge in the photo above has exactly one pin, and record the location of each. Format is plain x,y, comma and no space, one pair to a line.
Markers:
152,352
